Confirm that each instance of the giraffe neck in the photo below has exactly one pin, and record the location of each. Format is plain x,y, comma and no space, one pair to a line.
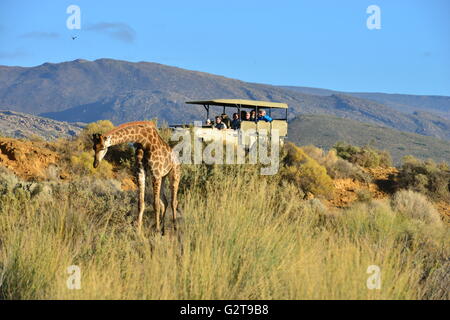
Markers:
115,140
122,136
139,133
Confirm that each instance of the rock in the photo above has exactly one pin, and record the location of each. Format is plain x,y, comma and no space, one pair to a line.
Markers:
22,125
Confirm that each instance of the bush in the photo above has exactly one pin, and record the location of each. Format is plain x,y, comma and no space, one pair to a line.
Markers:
120,155
337,168
82,164
36,138
364,195
304,172
425,177
416,206
84,139
438,283
367,156
8,180
82,142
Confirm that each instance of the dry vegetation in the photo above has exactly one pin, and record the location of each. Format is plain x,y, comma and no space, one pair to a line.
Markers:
243,235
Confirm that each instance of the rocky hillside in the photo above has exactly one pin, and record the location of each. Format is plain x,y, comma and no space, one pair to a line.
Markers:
324,131
27,159
21,125
122,91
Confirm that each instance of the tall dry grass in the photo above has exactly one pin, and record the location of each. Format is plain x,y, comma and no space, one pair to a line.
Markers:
242,236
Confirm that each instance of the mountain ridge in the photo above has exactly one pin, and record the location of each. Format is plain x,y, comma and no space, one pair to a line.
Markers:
122,91
408,103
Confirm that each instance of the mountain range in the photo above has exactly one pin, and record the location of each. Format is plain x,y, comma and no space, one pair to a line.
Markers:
83,91
439,105
122,91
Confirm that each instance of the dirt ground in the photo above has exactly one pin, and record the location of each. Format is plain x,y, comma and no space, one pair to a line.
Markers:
28,160
34,160
346,190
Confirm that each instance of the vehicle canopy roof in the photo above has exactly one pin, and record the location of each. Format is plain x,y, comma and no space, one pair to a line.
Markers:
241,103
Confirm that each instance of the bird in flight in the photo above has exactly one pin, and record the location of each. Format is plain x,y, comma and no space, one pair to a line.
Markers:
74,37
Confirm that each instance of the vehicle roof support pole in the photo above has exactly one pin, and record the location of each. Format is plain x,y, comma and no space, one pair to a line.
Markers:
207,110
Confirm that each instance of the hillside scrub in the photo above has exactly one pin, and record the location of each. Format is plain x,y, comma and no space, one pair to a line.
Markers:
84,138
241,236
82,165
304,172
77,155
425,177
366,156
337,168
416,206
119,155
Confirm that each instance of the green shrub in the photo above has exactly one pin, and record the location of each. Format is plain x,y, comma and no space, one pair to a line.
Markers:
122,156
36,138
8,180
304,172
367,156
363,195
84,138
82,164
425,177
337,168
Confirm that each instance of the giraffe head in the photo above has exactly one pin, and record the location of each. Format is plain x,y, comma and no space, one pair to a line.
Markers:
101,144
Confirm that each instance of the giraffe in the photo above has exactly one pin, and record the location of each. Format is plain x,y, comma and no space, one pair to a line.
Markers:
152,152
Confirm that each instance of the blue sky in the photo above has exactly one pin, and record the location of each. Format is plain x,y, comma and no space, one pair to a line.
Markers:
321,43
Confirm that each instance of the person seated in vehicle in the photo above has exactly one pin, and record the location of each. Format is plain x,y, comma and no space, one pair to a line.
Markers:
219,124
236,122
246,116
252,115
226,120
262,116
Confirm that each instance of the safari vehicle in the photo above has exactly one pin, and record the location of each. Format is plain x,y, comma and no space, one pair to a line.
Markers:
277,111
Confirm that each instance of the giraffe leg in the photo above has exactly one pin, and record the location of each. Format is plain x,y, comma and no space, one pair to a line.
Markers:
164,205
157,200
174,182
141,185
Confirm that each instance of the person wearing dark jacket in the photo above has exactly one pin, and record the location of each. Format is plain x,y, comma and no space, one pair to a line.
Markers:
226,120
246,116
219,124
236,122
